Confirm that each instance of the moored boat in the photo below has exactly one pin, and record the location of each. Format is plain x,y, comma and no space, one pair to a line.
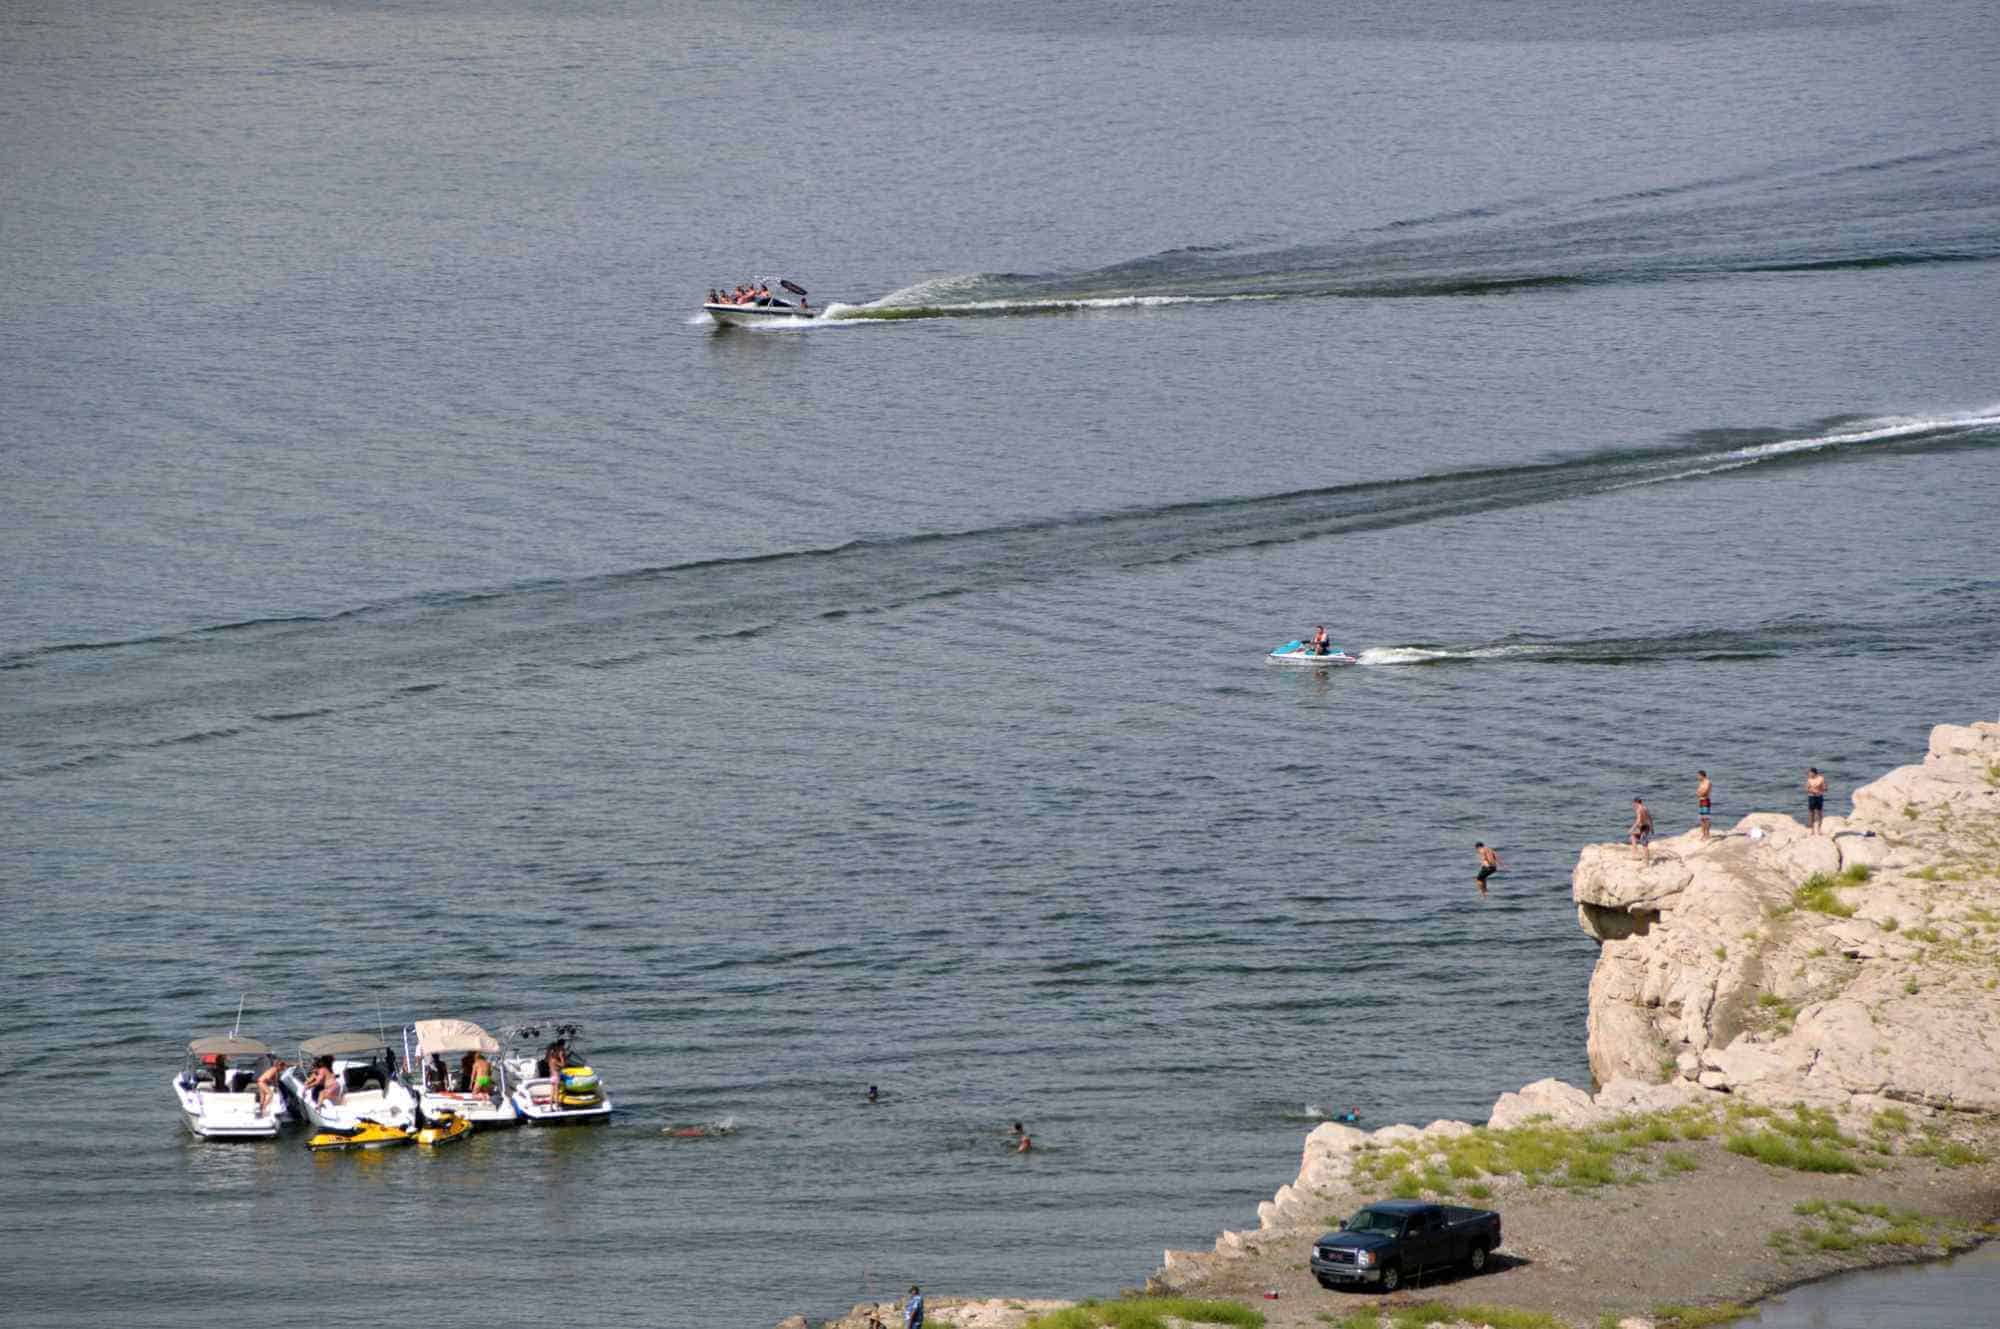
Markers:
553,1086
343,1080
217,1089
456,1070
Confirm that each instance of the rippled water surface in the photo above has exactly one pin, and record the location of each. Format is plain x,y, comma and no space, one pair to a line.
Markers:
416,608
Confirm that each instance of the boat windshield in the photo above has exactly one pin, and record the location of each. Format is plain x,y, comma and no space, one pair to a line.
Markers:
1374,1220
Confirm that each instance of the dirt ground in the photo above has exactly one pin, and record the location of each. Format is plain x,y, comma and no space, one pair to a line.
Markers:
1693,1237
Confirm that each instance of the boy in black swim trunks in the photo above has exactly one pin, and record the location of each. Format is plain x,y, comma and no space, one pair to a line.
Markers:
1815,799
1489,863
1642,830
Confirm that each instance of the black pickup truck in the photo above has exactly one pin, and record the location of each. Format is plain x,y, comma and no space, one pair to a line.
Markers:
1398,1239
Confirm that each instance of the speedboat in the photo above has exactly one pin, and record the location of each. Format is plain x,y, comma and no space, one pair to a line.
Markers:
438,1059
1299,652
217,1088
365,1087
770,309
572,1095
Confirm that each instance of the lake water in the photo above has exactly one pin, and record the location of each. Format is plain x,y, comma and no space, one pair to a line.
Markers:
416,608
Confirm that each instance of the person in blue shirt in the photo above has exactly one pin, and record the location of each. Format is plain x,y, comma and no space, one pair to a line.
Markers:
913,1309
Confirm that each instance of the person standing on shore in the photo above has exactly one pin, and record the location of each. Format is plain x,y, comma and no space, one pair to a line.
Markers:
1702,790
1489,863
913,1309
1642,830
1815,799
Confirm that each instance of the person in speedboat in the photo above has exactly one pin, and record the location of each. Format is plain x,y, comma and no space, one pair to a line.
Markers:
323,1086
479,1076
266,1083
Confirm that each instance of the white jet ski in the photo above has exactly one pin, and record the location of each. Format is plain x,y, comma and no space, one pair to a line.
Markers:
1298,652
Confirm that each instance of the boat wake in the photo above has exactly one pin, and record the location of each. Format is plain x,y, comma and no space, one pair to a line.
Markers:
1940,206
74,704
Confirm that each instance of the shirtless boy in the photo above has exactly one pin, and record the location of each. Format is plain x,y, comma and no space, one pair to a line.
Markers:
1642,830
1815,799
1489,863
1701,792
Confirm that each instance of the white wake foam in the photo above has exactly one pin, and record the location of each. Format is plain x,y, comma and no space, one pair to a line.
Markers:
1409,655
1885,429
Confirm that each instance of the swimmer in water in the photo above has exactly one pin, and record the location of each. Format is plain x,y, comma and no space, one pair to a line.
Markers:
874,1095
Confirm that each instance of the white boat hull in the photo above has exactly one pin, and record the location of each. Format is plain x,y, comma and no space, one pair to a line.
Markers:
482,1110
1307,657
212,1115
393,1105
534,1098
743,316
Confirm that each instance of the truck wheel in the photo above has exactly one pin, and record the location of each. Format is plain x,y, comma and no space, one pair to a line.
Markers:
1392,1278
1476,1261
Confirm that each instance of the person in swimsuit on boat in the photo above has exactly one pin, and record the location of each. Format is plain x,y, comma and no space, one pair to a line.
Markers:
323,1086
1815,799
1702,790
479,1076
266,1083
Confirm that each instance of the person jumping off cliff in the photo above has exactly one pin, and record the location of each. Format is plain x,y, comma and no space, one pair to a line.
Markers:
1489,863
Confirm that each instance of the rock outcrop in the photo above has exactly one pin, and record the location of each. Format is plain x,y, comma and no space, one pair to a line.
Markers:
1858,964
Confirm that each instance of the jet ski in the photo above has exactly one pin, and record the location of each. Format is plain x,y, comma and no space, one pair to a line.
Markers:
443,1130
369,1134
1298,652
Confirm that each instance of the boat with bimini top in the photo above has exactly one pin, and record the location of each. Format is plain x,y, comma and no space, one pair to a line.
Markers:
343,1080
752,303
456,1070
218,1089
554,1086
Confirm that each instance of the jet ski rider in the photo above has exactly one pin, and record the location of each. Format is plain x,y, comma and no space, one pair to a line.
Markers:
1319,644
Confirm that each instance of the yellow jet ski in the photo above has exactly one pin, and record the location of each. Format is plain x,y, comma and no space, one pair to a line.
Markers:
443,1129
370,1134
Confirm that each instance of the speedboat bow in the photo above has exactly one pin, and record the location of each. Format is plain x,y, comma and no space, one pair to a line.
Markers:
1299,652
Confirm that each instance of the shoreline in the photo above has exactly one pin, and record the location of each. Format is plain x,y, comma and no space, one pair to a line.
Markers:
1762,1016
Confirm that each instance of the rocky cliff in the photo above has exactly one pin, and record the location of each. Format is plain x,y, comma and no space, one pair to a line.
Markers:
1851,970
1858,964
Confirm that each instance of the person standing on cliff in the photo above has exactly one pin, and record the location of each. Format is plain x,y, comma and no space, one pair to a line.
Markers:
913,1309
1702,790
1489,863
1642,830
1815,799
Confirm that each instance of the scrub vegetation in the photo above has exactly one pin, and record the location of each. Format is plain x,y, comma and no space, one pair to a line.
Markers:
1847,1225
1673,1316
1818,893
1147,1313
1438,1312
1539,1153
